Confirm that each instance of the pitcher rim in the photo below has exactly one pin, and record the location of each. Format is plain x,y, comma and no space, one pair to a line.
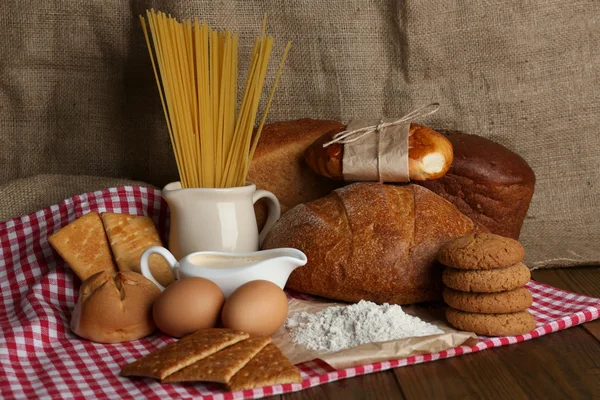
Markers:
249,186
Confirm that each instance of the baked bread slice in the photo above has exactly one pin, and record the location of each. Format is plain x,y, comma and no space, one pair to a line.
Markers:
83,245
129,236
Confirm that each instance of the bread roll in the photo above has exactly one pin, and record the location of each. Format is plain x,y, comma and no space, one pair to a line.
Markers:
487,182
114,308
429,155
371,241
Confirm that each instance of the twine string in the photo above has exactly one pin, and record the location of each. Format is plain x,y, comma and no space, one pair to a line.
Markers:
357,134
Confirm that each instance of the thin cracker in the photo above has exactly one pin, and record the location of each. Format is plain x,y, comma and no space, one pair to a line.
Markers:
221,366
84,247
175,356
268,367
129,236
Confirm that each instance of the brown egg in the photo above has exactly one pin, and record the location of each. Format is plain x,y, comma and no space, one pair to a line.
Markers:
187,306
257,307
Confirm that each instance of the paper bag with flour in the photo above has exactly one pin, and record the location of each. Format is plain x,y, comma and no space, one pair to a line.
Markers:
447,338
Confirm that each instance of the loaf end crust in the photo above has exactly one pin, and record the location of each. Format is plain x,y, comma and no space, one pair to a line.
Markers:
487,182
278,164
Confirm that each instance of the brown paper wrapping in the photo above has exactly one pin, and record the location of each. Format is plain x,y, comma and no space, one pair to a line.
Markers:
373,352
379,156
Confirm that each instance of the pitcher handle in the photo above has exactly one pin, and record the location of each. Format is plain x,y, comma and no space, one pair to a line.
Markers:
166,254
273,215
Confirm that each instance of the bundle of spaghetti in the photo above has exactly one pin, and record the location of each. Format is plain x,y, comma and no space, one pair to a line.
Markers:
196,71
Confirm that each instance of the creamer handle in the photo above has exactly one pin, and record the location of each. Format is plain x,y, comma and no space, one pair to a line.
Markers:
274,212
166,254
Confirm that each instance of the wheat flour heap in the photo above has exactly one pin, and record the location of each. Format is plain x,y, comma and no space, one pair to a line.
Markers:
341,327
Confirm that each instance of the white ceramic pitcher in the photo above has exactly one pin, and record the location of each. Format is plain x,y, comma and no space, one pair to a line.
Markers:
222,219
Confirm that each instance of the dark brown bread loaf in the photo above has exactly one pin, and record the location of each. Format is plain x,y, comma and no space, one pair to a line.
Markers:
279,167
371,241
487,182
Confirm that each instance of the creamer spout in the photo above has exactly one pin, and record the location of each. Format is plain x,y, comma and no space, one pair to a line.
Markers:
295,257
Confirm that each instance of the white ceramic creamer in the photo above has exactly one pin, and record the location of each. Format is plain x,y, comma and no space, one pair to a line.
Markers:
221,219
229,270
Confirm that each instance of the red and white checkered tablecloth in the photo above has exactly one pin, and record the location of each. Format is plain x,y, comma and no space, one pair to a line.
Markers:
41,358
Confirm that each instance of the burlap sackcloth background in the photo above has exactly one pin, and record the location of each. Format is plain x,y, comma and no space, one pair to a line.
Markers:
77,94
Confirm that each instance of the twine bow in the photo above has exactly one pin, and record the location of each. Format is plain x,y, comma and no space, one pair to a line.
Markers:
357,134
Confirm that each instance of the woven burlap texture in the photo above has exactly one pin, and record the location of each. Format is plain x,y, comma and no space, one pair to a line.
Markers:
78,94
26,195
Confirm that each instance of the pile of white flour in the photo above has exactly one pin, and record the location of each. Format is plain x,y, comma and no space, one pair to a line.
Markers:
341,327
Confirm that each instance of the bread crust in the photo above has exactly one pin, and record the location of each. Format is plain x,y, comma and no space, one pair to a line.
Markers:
114,308
487,182
279,167
371,241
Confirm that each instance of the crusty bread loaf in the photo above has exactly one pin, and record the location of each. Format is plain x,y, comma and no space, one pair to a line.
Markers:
279,167
371,241
114,308
487,182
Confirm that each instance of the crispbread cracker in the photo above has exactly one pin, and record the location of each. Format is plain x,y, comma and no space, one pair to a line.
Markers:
175,356
221,366
268,367
129,236
83,245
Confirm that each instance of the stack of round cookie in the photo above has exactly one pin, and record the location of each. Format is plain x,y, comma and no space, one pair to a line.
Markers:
484,285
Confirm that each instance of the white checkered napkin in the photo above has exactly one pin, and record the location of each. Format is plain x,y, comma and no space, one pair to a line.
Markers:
41,358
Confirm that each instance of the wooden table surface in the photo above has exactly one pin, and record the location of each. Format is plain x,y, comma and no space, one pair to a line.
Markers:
561,365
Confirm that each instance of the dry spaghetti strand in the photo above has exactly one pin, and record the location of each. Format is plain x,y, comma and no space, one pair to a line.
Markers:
196,72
